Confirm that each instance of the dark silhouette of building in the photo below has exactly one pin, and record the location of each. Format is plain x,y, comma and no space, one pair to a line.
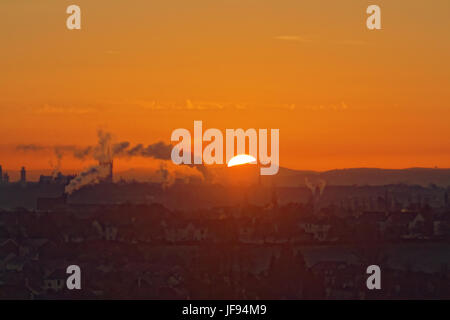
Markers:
23,176
50,204
108,165
6,178
445,196
58,178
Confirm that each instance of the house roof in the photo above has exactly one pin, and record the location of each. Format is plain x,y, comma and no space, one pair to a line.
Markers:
444,217
328,265
373,216
401,218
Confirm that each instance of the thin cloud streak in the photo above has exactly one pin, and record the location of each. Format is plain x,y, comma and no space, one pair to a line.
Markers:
293,38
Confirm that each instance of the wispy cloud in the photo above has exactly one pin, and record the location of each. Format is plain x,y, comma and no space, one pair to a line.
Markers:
31,147
112,52
188,104
194,105
199,105
294,38
307,39
342,106
203,105
351,42
49,109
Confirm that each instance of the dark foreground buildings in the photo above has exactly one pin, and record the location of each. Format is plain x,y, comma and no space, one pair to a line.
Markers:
275,249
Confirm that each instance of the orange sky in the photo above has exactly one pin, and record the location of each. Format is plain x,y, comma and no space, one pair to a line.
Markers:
341,95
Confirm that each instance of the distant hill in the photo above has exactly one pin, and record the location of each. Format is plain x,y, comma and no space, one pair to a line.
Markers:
293,178
351,176
368,176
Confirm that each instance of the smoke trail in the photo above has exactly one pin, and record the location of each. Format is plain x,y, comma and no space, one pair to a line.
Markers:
322,185
167,178
318,187
105,151
169,173
31,147
89,176
57,167
82,153
309,185
158,150
102,152
120,147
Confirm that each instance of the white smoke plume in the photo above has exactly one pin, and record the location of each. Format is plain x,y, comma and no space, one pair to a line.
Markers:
102,152
309,185
57,166
322,185
92,175
169,173
318,187
167,178
105,151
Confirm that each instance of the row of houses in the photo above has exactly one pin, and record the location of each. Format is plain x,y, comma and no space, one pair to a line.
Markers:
157,224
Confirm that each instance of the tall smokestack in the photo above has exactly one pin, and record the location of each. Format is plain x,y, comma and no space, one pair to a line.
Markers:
108,166
23,176
110,176
1,174
6,178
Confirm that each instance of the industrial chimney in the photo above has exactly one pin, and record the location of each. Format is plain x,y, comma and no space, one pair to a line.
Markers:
108,165
23,176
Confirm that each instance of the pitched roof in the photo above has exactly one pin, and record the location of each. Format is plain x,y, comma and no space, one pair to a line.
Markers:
373,217
401,218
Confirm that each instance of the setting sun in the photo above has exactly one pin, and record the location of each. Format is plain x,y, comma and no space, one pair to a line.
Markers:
241,159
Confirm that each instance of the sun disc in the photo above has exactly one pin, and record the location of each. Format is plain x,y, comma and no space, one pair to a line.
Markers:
241,159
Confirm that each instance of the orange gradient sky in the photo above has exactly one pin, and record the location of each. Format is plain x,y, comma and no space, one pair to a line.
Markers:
341,95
